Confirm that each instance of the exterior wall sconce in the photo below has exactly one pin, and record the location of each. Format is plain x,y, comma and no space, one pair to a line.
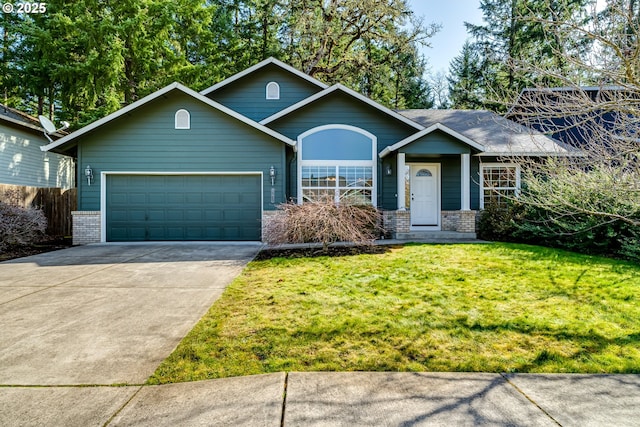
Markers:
88,172
272,175
388,171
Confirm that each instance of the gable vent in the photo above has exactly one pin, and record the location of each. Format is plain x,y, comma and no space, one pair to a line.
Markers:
183,119
273,90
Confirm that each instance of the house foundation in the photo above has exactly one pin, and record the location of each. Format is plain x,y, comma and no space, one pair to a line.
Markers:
85,227
399,222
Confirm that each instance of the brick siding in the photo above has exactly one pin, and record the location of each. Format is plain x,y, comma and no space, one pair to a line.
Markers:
86,227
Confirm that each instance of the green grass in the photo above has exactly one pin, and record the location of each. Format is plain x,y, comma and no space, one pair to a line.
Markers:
480,307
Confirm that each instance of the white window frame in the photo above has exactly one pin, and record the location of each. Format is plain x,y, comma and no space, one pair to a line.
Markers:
373,164
484,166
182,115
269,90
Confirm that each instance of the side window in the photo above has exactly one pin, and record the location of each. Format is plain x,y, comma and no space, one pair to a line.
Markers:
273,90
500,182
183,119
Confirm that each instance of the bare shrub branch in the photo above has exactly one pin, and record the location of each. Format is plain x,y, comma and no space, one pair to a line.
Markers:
20,226
323,221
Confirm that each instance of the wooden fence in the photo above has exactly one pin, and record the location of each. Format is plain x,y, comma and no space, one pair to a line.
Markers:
56,204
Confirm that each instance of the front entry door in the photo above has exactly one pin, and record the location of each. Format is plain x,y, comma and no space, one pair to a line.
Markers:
425,194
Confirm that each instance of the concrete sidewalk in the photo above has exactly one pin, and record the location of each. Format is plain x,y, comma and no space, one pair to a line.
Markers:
338,399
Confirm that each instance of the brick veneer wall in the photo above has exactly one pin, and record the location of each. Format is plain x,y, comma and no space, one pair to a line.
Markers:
460,221
266,217
86,227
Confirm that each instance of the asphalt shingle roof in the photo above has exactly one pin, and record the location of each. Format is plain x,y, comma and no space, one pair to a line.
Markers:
498,135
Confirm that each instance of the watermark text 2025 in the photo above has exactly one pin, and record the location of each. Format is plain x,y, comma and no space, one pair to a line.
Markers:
24,7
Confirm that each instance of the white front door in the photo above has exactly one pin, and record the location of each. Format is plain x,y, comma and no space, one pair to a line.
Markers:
425,194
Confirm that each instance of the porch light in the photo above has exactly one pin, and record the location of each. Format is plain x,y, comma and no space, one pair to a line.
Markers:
88,172
272,175
388,171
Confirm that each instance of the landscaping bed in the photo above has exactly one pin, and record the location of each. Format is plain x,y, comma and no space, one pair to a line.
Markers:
478,307
48,245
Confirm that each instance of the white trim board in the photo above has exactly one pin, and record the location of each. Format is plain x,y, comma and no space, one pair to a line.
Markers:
427,131
354,94
337,163
173,86
103,189
257,67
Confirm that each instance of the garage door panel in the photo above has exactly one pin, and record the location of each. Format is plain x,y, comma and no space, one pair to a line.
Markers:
159,198
176,207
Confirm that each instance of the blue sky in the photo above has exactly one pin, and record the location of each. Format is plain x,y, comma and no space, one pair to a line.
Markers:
452,14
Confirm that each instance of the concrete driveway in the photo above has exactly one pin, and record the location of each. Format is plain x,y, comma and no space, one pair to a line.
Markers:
106,314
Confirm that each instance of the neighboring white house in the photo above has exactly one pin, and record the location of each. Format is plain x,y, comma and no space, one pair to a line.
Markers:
22,162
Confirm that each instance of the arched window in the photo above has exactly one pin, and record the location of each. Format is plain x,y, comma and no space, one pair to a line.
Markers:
183,119
337,161
273,90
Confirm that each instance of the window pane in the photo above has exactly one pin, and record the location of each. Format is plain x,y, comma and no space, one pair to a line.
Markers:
318,176
500,177
499,184
337,144
356,196
356,176
312,195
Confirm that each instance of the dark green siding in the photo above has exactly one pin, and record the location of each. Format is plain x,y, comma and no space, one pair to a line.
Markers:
183,207
437,142
248,96
475,183
146,140
451,178
339,108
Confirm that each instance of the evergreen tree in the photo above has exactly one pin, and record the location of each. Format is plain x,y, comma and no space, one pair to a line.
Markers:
466,83
518,47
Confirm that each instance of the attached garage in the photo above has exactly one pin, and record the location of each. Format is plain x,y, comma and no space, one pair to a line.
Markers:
163,207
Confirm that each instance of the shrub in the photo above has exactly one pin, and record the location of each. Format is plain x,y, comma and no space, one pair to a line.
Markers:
582,233
323,221
20,226
499,221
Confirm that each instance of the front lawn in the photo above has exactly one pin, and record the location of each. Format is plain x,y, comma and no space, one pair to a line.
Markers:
477,307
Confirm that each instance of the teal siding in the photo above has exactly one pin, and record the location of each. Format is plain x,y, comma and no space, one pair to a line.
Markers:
23,163
450,175
247,95
146,140
437,142
475,183
339,108
451,178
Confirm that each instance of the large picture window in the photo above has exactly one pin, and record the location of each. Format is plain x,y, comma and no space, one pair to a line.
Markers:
500,182
337,161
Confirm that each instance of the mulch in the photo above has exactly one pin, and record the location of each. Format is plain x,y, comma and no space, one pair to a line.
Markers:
19,251
309,252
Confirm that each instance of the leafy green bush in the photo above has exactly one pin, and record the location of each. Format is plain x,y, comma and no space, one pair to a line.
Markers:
515,222
499,221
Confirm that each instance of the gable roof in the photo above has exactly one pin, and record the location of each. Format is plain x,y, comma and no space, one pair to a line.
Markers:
353,94
427,131
498,136
13,117
172,87
259,65
16,117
